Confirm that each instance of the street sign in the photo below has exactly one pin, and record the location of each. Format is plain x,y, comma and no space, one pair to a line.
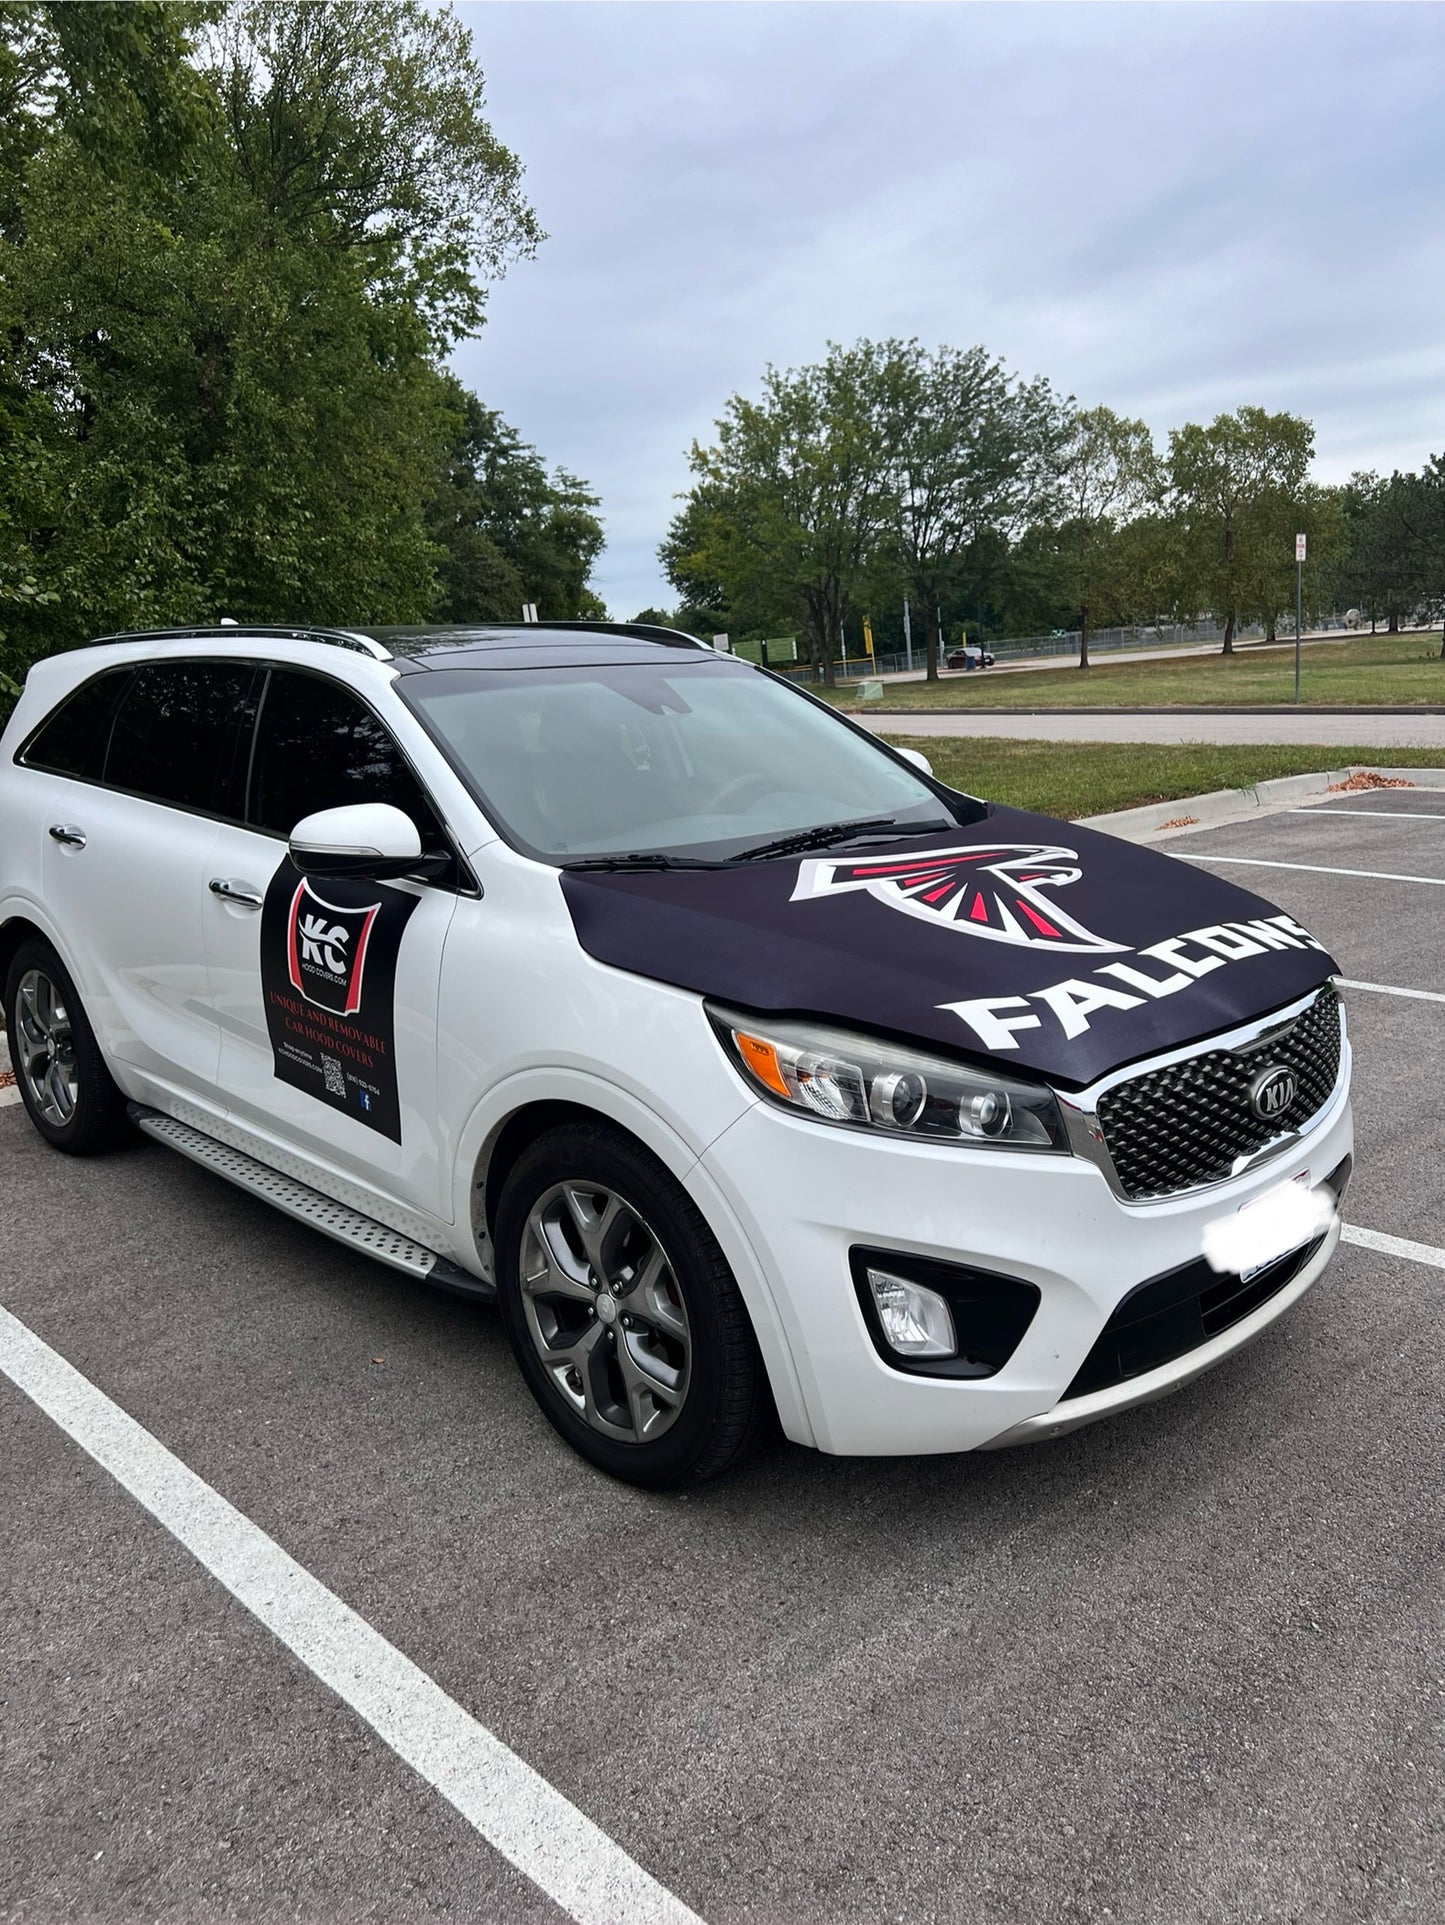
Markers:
722,644
1299,548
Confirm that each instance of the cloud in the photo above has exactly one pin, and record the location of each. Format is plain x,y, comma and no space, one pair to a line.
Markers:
1174,210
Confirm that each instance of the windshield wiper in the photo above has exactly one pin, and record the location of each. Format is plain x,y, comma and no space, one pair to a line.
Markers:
803,839
639,862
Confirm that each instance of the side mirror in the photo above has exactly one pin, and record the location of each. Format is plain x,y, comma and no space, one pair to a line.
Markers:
368,840
917,758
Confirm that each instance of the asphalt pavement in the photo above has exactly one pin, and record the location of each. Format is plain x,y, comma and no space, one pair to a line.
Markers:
1183,1666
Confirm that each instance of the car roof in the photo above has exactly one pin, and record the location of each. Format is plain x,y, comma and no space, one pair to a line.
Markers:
455,644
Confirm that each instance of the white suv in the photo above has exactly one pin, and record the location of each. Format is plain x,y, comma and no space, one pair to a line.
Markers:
753,1070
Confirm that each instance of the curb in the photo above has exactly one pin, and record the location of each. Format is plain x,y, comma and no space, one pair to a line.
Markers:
1189,814
1257,708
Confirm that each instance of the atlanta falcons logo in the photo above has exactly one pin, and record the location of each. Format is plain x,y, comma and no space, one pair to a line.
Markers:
992,891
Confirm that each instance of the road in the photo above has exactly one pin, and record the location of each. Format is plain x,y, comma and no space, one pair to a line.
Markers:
1392,730
1183,1667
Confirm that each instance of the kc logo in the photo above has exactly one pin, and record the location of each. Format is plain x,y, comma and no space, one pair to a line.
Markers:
989,890
323,942
326,950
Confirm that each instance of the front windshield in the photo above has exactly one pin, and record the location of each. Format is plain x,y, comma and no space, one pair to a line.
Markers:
691,758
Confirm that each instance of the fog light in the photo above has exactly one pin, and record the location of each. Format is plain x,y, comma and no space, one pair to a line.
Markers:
916,1322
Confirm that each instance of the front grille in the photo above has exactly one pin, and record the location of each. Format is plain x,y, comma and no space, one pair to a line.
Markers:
1179,1127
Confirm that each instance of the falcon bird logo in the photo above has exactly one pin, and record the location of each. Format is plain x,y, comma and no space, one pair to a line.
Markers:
991,891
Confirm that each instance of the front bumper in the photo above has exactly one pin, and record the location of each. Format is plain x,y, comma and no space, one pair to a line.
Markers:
805,1195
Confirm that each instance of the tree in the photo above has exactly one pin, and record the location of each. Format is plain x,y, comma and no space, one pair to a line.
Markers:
1267,546
510,532
234,241
792,498
1226,483
1111,476
363,128
973,453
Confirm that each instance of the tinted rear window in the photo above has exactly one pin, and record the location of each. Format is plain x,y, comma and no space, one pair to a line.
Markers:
174,737
71,741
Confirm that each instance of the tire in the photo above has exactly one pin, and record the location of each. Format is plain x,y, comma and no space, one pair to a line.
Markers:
660,1384
59,1070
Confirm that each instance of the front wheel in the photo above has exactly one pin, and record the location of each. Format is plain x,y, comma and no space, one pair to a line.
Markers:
623,1313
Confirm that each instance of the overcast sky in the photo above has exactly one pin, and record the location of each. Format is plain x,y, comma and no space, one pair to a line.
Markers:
1172,209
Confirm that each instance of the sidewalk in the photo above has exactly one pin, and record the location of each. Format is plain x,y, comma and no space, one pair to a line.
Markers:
1358,728
1309,639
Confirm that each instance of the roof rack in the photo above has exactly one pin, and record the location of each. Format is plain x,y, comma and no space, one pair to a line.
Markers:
641,631
359,643
416,634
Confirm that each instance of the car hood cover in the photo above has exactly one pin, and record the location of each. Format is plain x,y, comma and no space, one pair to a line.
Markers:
1035,943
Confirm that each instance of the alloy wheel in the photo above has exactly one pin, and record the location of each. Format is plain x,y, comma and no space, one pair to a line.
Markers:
45,1048
604,1311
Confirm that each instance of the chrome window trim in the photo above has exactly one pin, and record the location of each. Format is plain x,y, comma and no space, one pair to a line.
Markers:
1080,1109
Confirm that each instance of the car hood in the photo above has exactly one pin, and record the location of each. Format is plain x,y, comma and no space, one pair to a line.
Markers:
1018,939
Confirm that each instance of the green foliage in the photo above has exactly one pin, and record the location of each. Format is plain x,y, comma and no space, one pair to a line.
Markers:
994,506
1236,484
509,532
234,241
973,456
881,470
1111,482
1391,556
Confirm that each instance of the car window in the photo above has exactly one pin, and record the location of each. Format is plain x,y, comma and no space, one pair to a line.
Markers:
71,741
665,757
174,737
319,747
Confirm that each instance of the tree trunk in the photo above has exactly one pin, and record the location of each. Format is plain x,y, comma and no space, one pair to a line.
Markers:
935,649
1392,627
823,634
1442,641
1083,638
1228,648
1269,631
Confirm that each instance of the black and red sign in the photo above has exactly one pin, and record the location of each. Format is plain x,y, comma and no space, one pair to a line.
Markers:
328,979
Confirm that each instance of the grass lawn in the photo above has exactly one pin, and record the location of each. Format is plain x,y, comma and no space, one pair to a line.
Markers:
1385,671
1087,778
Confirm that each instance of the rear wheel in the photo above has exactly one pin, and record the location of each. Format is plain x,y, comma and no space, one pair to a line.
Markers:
59,1069
623,1313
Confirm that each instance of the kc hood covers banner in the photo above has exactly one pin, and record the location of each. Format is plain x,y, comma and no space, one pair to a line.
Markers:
328,975
1038,943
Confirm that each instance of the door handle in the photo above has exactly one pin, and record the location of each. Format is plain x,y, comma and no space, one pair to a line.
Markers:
67,833
240,892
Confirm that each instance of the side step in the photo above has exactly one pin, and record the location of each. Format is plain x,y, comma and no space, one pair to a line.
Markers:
323,1213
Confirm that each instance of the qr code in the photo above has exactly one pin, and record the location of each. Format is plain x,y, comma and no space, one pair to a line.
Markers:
334,1074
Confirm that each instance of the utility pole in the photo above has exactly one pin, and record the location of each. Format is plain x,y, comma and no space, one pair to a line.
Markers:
1299,602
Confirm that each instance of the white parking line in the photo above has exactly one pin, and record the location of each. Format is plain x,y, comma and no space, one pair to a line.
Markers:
504,1799
1384,989
1315,868
1394,1246
1378,815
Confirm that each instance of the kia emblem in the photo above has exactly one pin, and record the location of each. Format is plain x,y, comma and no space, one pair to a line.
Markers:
1272,1093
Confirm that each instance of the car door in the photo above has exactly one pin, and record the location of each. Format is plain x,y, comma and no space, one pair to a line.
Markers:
126,859
326,991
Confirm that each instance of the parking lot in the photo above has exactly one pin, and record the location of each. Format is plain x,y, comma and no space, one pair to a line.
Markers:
1183,1666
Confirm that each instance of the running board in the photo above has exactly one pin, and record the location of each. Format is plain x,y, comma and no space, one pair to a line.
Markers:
337,1220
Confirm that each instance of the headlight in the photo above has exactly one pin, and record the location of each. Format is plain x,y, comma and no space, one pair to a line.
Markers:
865,1083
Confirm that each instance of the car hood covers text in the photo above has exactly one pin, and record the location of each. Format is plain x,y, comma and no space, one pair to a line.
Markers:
1037,943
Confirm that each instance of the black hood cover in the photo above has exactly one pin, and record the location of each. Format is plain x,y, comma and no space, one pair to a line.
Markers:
1035,943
